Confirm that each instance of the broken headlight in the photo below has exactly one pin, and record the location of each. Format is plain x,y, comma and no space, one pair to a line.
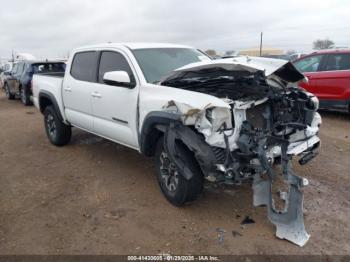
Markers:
219,118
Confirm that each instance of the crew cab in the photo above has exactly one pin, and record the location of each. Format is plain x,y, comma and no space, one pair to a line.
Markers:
328,72
18,81
226,121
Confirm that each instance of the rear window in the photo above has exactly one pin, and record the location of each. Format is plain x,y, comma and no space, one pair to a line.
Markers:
47,68
84,66
338,62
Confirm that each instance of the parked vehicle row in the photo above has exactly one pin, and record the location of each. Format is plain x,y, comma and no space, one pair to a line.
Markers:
227,121
4,72
328,74
17,82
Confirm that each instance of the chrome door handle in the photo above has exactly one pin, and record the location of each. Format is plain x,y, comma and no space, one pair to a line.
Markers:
68,89
96,95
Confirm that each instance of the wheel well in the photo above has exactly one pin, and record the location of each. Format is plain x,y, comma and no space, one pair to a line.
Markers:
44,102
150,141
153,128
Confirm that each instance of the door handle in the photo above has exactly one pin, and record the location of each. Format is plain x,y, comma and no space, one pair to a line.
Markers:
96,95
68,89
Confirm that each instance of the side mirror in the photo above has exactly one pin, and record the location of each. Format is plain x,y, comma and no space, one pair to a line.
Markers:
118,78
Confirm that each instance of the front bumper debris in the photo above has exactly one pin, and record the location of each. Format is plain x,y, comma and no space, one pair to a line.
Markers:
289,222
265,120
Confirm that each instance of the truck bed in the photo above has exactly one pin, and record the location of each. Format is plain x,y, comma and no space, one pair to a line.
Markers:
49,83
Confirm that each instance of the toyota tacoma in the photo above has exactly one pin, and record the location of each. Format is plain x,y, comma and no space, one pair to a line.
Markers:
226,121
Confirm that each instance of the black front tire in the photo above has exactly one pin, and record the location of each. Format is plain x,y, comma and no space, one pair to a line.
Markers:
186,190
58,133
25,97
8,93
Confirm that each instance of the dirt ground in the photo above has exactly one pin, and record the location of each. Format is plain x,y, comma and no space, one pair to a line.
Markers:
96,197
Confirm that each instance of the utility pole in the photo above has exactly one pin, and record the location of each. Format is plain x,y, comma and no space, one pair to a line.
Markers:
261,38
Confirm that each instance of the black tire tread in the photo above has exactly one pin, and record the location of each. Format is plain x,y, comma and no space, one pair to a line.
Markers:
64,132
189,189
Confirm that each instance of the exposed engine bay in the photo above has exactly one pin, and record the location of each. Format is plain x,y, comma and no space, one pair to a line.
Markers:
269,121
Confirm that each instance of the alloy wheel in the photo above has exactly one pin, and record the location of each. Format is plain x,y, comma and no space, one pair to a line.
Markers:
51,126
169,174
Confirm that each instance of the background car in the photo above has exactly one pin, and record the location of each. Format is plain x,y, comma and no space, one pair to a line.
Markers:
6,69
19,80
328,72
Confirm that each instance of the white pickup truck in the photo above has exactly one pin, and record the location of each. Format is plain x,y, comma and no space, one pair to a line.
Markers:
226,121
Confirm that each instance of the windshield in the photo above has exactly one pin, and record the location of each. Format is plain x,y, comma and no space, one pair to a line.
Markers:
156,63
308,64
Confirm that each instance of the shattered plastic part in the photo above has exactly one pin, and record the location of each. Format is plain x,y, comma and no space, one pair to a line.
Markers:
289,222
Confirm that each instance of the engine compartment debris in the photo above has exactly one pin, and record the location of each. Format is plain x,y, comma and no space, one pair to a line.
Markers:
267,122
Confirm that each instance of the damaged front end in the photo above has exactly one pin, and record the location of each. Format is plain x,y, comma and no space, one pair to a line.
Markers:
269,120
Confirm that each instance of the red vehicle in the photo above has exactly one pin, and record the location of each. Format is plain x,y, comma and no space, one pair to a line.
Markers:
328,72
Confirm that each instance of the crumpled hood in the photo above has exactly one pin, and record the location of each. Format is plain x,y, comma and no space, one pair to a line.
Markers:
272,68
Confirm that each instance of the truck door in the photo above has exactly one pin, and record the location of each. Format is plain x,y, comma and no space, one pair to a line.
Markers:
115,107
78,85
334,80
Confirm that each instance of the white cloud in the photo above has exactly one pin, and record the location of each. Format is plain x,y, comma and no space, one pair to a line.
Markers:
52,28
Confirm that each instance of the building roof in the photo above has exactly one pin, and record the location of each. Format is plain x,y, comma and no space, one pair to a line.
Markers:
265,51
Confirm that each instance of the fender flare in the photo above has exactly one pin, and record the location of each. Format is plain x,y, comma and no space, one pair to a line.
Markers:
154,121
202,152
48,95
159,123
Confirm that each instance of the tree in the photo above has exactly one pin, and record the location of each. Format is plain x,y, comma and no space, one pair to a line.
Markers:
323,44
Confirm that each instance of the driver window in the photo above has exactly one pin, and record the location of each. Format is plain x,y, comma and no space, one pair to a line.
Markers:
309,64
113,61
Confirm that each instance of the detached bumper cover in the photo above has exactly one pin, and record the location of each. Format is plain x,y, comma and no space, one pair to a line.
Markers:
289,222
